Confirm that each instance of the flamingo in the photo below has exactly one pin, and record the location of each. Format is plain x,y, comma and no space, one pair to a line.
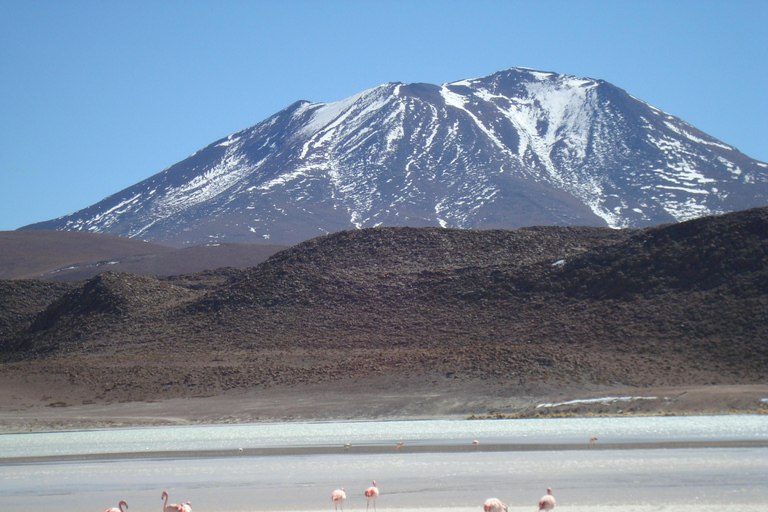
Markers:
494,505
398,445
475,444
338,498
173,507
372,493
592,441
119,507
547,502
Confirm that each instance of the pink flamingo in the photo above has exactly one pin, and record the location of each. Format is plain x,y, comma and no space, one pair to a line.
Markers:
119,507
592,441
494,505
547,502
173,507
338,498
398,445
475,444
372,493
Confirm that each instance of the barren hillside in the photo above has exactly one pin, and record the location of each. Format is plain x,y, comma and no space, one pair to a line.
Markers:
515,313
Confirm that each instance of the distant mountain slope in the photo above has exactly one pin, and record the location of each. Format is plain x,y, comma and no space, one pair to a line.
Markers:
25,254
513,149
73,256
535,308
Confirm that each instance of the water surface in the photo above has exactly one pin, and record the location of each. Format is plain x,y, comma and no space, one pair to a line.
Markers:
640,479
438,433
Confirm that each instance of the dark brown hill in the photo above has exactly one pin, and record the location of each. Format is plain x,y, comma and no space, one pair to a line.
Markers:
530,311
75,256
22,301
703,254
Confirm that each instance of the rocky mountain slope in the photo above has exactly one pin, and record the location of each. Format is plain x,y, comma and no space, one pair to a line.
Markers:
513,149
527,311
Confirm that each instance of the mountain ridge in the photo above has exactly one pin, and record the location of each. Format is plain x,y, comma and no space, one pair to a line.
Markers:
516,148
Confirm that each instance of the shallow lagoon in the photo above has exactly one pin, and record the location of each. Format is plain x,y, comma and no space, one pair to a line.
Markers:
629,469
442,433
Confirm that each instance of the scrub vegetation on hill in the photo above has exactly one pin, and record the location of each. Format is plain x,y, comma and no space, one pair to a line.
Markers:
512,312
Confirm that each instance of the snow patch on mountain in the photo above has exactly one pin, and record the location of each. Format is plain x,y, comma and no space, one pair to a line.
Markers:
211,183
110,216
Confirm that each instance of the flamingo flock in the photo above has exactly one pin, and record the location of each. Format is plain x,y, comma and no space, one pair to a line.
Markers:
339,496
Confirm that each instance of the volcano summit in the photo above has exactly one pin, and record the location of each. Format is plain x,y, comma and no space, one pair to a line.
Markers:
516,148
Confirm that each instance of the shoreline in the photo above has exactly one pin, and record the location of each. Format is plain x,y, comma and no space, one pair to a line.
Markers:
37,426
27,407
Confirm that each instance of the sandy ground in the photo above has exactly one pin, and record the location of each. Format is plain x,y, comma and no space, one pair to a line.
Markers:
53,404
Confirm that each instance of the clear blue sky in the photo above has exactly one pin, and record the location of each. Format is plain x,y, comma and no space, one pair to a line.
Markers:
98,95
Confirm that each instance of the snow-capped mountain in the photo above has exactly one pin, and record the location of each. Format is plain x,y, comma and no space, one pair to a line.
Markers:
516,148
